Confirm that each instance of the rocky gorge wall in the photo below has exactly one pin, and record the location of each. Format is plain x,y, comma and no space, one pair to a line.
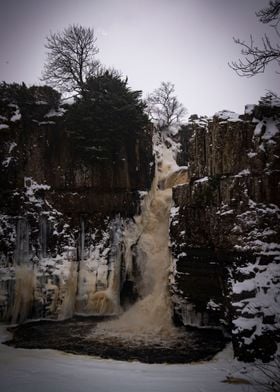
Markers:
59,215
225,227
69,238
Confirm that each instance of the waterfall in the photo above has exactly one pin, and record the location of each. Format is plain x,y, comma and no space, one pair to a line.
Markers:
148,236
152,312
128,257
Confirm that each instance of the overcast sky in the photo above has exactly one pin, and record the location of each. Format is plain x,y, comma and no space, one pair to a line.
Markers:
187,42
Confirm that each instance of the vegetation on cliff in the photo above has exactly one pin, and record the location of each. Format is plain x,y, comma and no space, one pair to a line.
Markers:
33,102
107,114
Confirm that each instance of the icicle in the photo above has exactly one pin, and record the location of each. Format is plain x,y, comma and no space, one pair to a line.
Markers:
24,275
24,293
43,236
82,240
108,301
68,305
22,242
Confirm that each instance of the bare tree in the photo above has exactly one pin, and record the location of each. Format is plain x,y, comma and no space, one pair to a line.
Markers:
164,108
257,58
70,58
268,377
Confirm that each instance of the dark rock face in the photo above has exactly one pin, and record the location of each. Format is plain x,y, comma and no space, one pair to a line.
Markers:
225,228
55,208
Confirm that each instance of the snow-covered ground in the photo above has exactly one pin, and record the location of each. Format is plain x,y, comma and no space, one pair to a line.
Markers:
23,370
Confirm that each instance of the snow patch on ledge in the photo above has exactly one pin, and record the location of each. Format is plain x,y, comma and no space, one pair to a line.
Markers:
249,108
227,115
32,187
203,179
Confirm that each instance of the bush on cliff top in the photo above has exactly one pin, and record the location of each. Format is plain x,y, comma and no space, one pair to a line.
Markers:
33,102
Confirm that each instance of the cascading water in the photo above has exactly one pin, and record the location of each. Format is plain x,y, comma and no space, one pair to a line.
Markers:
93,284
150,318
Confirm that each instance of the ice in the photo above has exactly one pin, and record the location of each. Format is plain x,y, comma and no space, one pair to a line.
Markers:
22,242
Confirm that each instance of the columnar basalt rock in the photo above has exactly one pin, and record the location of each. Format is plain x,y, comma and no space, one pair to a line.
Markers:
225,228
58,210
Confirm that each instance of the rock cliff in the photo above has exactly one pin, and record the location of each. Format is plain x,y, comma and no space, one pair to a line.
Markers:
225,227
69,241
57,209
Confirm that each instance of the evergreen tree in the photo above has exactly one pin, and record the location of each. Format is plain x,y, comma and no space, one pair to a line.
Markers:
108,114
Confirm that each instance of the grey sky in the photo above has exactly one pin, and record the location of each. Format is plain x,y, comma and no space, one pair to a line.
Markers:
187,42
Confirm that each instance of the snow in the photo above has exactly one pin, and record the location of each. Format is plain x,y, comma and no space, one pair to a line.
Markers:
228,212
32,186
201,121
6,162
258,128
55,113
245,172
271,130
204,179
227,115
4,126
267,129
46,123
247,285
16,116
24,370
249,109
262,282
12,146
252,154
